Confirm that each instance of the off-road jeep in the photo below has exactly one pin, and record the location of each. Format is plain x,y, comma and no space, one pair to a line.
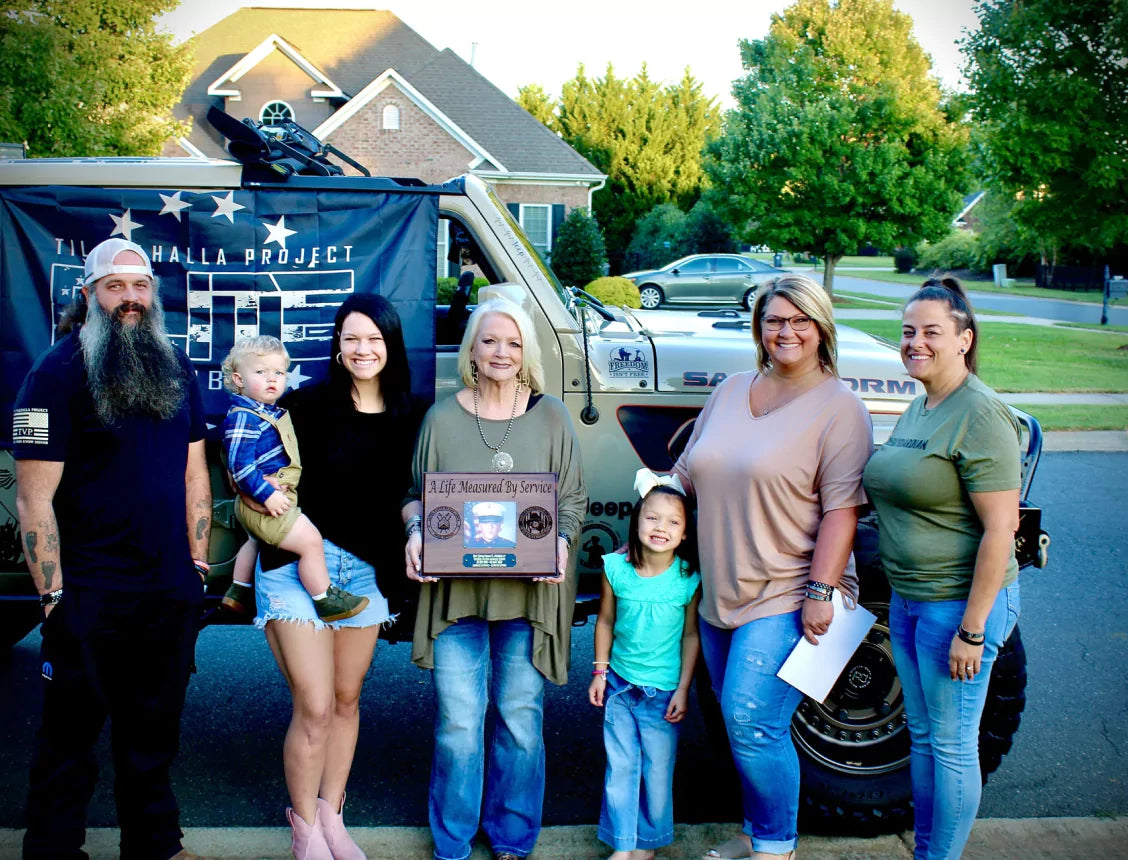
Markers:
237,255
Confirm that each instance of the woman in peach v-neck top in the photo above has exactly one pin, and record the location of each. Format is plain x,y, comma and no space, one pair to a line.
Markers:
775,461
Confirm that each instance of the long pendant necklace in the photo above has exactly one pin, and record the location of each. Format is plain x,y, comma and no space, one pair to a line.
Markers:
501,461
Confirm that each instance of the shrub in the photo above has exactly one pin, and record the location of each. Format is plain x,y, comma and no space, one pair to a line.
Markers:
615,291
958,250
707,232
445,289
904,259
659,238
579,254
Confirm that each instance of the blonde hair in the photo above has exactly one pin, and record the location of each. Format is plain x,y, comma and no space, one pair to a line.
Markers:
531,372
244,348
812,301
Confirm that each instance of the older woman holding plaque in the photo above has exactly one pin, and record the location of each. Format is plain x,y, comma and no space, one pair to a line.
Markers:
517,630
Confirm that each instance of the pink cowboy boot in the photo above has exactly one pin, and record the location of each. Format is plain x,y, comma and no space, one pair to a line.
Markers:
308,839
333,826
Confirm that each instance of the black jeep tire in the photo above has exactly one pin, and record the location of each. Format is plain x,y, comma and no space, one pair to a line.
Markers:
838,796
854,748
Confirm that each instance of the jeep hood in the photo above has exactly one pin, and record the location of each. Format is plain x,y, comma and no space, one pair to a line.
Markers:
698,349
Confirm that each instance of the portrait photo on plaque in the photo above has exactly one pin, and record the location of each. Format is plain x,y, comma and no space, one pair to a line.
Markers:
489,525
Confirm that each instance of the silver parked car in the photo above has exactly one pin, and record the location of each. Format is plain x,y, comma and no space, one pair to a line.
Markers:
714,279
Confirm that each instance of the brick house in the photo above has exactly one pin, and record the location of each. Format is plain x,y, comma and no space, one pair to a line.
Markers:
374,88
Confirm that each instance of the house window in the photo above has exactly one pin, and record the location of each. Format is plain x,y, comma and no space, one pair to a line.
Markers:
442,264
390,120
275,112
536,221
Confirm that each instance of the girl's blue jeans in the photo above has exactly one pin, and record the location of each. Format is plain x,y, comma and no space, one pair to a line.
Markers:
944,715
757,708
638,786
479,662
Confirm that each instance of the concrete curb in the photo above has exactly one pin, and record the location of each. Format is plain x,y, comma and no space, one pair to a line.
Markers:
992,839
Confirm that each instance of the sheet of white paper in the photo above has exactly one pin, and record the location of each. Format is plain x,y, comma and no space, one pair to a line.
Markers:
813,669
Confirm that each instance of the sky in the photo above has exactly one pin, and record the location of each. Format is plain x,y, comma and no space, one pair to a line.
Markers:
518,42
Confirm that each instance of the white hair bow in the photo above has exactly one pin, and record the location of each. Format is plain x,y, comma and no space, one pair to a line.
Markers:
645,481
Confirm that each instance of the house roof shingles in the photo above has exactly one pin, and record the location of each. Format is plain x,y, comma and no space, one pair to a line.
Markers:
353,47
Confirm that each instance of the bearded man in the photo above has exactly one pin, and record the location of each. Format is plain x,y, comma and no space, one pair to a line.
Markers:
115,505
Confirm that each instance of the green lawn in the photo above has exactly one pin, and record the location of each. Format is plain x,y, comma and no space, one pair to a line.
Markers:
1017,357
1079,417
860,300
866,262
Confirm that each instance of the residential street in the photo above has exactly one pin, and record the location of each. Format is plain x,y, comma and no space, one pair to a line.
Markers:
1056,309
1068,758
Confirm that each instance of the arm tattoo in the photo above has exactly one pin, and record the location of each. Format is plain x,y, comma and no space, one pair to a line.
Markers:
48,569
30,541
201,528
52,542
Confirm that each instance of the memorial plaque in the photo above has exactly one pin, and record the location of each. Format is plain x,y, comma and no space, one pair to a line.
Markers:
485,524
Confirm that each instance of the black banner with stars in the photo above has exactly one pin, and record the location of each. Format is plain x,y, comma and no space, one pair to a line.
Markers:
231,264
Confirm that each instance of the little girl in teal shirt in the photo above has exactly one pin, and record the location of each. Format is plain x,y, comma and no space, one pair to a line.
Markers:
646,647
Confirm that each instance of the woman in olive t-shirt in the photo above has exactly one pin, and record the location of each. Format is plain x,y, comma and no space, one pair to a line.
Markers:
946,488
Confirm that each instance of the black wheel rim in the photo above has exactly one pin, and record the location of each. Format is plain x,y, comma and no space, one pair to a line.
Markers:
861,728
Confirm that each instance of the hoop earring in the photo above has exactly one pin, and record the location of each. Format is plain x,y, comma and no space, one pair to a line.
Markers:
474,372
339,359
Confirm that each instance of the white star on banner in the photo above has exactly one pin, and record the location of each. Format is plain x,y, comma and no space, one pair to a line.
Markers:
278,232
124,225
226,206
173,204
297,377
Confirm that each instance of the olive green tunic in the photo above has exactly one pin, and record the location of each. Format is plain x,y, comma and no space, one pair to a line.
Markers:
542,440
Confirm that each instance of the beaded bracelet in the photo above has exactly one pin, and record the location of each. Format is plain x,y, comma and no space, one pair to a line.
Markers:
971,638
412,524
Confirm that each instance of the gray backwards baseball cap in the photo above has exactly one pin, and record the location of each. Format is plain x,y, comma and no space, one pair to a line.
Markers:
100,261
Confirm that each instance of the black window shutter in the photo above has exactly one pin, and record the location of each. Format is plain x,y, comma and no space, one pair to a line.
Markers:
557,220
514,210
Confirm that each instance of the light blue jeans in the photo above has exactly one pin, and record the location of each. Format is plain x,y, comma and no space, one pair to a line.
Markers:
280,595
638,785
507,796
944,715
758,707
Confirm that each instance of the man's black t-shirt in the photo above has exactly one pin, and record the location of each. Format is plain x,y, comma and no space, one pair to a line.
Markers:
120,504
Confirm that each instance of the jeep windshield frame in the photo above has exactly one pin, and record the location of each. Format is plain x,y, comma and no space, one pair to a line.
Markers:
549,275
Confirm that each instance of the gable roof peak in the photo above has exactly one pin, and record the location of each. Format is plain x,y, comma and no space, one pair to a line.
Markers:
225,84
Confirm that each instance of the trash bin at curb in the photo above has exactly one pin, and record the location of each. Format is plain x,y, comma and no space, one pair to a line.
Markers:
777,259
999,271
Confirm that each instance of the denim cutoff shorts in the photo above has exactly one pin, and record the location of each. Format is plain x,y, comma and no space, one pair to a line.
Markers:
280,596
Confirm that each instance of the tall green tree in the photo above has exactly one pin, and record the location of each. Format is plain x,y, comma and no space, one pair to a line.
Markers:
647,137
1049,83
579,254
89,78
839,138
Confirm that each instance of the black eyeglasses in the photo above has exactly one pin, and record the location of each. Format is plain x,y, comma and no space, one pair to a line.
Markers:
797,323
